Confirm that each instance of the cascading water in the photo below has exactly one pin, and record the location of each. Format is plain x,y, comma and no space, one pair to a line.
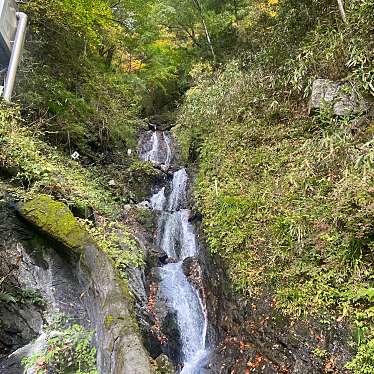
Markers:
157,148
175,235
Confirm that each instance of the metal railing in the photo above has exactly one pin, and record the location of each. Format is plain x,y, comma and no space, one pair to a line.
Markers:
15,56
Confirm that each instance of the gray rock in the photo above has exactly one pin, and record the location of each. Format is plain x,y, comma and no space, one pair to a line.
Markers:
12,365
144,205
86,288
110,308
341,98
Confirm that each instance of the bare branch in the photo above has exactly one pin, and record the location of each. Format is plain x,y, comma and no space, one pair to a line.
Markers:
342,11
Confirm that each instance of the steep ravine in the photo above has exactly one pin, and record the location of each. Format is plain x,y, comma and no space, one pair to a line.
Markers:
176,314
243,335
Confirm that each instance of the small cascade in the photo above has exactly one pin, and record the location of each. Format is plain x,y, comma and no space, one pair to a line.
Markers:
178,196
158,200
157,148
176,237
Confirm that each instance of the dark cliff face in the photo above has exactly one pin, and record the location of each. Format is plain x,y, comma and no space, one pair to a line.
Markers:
16,330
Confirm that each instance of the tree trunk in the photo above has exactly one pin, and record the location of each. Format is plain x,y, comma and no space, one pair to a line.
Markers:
207,35
342,11
109,56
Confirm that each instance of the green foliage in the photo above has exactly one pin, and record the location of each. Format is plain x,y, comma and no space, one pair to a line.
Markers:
39,167
92,67
32,296
286,198
146,218
363,363
69,350
22,296
7,297
320,352
116,241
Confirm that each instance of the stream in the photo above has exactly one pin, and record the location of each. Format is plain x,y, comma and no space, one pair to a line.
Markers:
176,237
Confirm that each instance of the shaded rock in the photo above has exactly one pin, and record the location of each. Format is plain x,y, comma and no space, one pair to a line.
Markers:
40,266
13,363
340,97
19,325
165,327
169,328
84,212
55,219
195,217
192,270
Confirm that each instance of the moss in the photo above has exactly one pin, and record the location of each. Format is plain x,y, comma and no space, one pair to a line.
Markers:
108,321
146,218
128,323
55,219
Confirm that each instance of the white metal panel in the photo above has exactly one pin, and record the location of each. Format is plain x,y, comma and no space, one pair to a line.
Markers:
8,27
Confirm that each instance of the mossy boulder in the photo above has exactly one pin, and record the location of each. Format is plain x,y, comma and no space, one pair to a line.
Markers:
55,219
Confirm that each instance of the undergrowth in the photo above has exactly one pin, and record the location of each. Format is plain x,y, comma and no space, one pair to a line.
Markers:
33,166
68,350
115,240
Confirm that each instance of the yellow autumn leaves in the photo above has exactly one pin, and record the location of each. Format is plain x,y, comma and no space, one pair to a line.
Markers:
269,7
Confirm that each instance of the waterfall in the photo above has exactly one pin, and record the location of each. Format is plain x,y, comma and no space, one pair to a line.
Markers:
176,236
158,200
178,196
157,148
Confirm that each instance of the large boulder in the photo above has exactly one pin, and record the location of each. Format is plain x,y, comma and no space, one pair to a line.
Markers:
56,220
110,307
341,98
103,293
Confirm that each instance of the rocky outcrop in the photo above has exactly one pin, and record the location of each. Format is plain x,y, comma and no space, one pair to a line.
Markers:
109,306
56,220
86,288
192,271
341,98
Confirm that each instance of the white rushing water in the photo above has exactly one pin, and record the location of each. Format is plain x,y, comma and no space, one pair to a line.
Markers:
157,148
177,238
158,200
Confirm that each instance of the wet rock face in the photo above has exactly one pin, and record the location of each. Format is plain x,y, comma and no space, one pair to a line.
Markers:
162,332
38,275
15,330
